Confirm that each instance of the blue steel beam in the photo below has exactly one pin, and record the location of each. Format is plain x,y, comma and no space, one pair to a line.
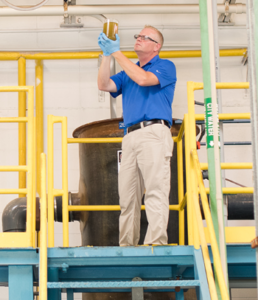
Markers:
20,280
53,275
16,257
202,291
117,256
127,290
125,284
100,273
148,251
239,254
180,295
69,294
4,276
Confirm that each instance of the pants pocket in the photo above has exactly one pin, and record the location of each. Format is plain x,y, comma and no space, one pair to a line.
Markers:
169,144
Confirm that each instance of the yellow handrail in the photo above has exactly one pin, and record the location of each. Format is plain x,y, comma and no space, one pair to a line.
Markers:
39,119
231,116
43,233
52,192
175,207
180,175
188,131
238,190
214,246
26,239
190,143
204,166
22,126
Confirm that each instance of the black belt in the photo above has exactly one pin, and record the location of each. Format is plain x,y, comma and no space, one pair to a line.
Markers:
147,123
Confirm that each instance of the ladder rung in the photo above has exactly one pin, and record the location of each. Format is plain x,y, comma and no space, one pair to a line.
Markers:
124,284
13,168
13,191
14,120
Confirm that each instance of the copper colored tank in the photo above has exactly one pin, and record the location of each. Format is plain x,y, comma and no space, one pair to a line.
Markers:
99,186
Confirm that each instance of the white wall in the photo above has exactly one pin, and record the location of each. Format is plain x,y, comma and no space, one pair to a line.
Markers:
70,87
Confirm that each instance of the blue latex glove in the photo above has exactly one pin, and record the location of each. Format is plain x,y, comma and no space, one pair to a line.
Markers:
108,46
102,46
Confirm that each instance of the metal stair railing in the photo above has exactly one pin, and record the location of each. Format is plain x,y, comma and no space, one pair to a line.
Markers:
214,245
233,234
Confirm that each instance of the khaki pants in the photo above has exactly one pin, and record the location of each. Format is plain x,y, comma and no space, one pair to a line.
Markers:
145,165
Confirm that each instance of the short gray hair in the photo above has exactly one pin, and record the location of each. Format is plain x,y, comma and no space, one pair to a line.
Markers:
160,35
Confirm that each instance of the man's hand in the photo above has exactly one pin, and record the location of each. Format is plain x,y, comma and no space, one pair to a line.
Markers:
108,46
101,44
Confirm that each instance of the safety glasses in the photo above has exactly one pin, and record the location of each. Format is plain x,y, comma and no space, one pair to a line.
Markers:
144,38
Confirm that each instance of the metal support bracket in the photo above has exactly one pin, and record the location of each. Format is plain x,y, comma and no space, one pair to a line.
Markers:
137,293
70,21
225,18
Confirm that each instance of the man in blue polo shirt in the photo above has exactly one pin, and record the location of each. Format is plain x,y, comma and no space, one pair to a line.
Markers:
147,88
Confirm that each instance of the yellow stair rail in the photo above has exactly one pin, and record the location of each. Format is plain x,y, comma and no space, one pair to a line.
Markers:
233,234
23,239
214,245
43,233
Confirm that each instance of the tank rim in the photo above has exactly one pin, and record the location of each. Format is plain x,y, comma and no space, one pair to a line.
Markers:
82,128
79,130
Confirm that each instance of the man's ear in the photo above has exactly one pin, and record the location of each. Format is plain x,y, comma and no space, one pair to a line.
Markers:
157,47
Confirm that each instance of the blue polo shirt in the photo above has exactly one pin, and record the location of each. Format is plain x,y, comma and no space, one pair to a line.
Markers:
143,103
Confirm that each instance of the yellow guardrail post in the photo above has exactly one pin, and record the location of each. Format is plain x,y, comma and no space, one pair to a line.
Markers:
26,239
22,126
65,184
207,213
190,228
192,145
30,161
52,192
34,184
43,233
39,118
50,167
181,212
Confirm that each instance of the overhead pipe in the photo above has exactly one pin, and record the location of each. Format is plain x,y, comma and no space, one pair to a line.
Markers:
128,54
85,10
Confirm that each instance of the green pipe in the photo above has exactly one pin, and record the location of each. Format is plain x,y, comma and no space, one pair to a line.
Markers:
252,25
214,179
256,43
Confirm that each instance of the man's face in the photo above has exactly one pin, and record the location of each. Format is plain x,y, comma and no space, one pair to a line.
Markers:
147,46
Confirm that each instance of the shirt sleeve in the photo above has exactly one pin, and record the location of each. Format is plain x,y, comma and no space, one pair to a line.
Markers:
118,80
165,71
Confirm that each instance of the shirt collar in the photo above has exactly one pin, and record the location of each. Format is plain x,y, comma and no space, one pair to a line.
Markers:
153,60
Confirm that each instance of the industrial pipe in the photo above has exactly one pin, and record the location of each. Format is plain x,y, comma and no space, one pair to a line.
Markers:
240,207
73,199
84,10
14,215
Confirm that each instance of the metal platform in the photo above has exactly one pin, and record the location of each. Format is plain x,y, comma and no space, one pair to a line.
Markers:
112,269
